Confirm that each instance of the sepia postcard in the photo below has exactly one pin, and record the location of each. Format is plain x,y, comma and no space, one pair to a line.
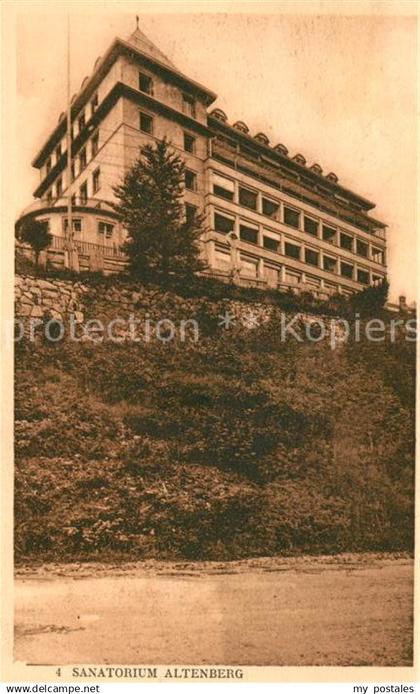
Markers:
209,340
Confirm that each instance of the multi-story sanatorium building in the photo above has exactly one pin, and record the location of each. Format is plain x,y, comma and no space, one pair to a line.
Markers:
272,220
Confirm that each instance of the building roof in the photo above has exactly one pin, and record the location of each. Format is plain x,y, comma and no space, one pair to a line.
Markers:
307,175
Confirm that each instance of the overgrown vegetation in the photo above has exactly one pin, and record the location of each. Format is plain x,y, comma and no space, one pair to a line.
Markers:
368,302
237,445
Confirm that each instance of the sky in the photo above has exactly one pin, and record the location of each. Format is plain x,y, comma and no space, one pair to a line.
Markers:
338,88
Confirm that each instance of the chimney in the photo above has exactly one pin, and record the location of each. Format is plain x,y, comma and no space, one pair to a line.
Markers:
402,301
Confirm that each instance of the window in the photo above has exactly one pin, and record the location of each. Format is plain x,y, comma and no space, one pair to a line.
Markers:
58,152
291,217
146,123
46,223
82,159
270,208
94,103
48,165
49,195
378,255
377,231
95,144
83,193
362,248
247,198
190,212
310,226
145,83
73,200
377,279
223,187
363,276
72,171
189,143
270,244
247,233
81,122
346,270
330,264
105,228
59,187
190,180
76,223
96,180
328,233
346,241
311,257
188,105
223,224
291,250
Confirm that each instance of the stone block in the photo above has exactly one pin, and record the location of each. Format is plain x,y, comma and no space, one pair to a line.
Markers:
57,307
44,284
50,293
25,299
23,310
37,312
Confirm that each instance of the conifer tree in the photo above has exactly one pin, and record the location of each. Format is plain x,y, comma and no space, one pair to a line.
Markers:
162,240
371,300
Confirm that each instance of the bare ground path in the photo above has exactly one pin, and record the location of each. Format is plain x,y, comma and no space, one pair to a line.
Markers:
343,610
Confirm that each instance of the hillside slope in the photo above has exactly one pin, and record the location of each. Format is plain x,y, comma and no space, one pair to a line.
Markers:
236,445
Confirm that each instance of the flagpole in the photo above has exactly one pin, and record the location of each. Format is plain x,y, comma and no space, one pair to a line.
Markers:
71,259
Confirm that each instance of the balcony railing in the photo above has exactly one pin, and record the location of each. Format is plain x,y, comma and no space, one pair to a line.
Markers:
268,174
89,248
262,283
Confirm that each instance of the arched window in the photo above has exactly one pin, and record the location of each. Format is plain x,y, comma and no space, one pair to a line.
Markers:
240,125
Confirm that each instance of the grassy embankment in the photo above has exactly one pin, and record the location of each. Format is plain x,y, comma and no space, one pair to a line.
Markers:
237,445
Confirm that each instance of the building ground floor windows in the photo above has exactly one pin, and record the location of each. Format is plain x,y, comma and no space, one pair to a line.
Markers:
313,264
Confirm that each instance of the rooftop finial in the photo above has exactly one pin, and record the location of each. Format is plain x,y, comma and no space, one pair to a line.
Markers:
137,21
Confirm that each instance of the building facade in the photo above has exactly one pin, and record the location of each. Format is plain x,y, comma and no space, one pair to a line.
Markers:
272,220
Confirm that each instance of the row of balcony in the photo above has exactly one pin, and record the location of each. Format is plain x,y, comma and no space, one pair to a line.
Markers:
266,174
77,201
89,248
